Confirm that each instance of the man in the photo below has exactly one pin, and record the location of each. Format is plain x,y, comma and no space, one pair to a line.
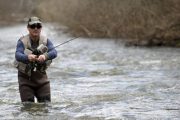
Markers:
32,76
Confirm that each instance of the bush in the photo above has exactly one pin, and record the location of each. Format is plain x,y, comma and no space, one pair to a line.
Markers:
138,19
140,22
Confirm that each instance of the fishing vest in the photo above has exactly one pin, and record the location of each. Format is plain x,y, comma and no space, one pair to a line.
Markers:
26,67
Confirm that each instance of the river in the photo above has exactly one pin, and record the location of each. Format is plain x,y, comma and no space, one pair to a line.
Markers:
95,79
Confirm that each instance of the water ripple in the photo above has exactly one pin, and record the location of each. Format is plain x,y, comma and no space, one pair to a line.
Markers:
91,79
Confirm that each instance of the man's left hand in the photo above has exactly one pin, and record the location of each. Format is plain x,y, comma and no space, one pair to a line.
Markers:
41,58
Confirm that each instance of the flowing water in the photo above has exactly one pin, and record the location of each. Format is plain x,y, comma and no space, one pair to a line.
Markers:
95,79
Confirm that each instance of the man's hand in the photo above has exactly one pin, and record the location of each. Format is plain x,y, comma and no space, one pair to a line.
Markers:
32,58
41,58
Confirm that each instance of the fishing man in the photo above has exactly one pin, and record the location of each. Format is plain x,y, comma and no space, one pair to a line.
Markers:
32,77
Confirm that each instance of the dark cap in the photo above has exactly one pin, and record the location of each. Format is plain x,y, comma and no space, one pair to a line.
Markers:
34,20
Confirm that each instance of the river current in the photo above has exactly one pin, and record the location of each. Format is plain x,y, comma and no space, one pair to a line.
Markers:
95,79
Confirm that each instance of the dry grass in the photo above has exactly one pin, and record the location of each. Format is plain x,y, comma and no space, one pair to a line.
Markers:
138,20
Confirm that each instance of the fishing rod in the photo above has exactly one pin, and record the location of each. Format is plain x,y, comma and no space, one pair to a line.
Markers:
42,49
86,33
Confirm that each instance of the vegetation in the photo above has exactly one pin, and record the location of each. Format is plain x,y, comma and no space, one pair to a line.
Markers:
139,22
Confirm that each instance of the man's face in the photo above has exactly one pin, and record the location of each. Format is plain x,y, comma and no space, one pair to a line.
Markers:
34,30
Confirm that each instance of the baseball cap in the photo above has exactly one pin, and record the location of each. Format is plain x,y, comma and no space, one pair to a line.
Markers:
33,20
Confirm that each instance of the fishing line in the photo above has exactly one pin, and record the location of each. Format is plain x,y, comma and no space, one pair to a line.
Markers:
152,21
135,27
86,33
95,29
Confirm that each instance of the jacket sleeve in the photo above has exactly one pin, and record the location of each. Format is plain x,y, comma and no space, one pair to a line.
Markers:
52,53
19,55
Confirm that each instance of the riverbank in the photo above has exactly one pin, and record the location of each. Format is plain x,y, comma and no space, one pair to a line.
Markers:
5,24
160,37
138,22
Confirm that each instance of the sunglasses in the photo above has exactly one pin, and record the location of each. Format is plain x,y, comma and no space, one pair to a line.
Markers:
33,26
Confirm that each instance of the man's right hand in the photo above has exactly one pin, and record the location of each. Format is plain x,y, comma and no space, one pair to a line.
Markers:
32,58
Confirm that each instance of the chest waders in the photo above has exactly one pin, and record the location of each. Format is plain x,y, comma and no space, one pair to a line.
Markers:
33,83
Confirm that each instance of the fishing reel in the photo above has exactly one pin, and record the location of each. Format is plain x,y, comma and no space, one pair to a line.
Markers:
41,49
